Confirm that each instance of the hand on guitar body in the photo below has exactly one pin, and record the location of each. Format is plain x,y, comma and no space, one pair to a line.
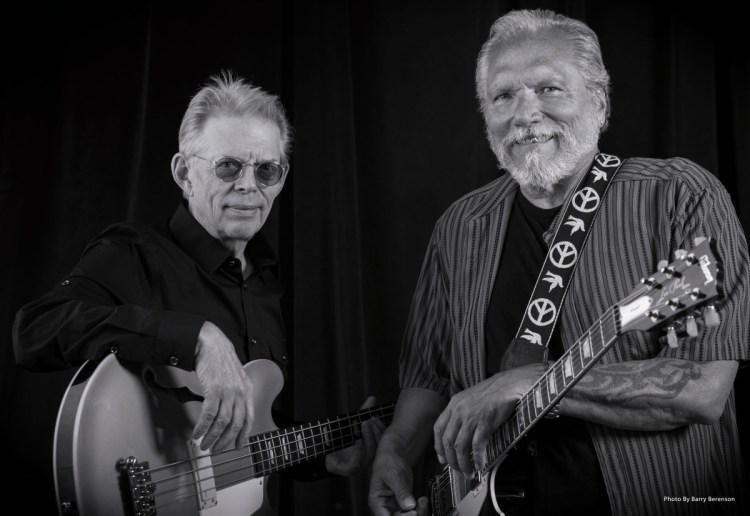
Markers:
227,415
464,427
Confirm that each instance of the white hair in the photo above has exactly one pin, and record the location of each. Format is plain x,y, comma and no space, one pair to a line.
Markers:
227,94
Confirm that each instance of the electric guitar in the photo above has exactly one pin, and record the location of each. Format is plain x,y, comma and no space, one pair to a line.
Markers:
123,444
675,292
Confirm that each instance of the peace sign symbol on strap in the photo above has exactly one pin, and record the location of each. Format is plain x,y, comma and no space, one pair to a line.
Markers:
563,254
607,160
542,312
586,200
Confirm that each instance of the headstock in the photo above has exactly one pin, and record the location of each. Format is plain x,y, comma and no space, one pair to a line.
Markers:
678,289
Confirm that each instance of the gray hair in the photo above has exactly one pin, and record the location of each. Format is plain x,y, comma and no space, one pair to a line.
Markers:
520,23
228,94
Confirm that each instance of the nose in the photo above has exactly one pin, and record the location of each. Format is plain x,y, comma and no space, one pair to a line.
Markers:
527,110
246,183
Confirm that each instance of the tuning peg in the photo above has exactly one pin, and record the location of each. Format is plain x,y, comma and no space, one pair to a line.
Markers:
662,265
674,303
699,240
711,316
680,254
671,337
691,326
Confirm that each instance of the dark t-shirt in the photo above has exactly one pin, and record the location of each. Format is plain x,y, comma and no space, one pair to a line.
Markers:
563,473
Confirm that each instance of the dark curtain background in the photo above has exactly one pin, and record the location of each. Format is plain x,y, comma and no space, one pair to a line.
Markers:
381,95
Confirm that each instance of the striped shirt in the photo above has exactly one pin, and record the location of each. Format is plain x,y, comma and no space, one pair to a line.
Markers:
652,208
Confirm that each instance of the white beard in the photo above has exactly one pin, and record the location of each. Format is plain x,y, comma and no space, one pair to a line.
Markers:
537,173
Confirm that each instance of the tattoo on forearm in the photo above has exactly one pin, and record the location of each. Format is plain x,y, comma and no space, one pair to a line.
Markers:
619,383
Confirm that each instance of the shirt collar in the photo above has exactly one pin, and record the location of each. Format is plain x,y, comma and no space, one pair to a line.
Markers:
208,251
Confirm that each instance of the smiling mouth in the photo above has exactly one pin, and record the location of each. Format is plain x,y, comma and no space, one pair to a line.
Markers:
534,139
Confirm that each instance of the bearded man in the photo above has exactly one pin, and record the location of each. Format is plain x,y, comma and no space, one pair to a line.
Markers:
647,424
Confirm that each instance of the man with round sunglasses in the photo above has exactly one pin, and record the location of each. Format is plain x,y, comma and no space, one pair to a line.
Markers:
200,292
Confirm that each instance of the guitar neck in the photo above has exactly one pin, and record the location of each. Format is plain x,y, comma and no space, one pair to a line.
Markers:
282,448
554,384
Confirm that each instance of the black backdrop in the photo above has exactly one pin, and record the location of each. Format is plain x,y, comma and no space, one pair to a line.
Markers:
387,135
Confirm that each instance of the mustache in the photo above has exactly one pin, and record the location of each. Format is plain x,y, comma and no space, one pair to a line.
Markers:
527,134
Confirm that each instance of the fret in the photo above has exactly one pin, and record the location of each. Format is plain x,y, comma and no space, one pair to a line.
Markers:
567,367
551,382
538,399
310,442
527,417
285,448
586,345
263,452
299,438
580,359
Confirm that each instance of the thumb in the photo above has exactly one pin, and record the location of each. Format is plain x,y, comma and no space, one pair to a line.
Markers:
405,499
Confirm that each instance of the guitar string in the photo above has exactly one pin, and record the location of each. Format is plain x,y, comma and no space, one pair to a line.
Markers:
254,474
384,411
268,464
336,444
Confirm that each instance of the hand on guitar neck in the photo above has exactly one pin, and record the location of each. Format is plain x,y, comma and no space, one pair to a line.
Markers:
462,431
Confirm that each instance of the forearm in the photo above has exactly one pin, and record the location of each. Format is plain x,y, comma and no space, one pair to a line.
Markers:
411,428
655,394
56,333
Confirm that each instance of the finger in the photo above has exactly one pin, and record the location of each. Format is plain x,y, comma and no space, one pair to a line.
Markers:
448,442
230,435
209,410
462,447
438,430
479,446
370,402
423,506
247,427
220,422
378,423
370,443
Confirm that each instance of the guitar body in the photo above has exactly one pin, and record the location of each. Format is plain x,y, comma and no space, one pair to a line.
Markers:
114,410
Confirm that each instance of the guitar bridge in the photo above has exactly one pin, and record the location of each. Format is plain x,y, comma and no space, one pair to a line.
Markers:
140,487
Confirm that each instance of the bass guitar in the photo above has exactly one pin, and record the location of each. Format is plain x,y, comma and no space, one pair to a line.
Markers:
670,297
123,444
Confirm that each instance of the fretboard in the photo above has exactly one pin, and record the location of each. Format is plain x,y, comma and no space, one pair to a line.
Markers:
554,384
279,449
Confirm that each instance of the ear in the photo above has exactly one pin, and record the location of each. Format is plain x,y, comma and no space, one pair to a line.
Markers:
601,101
180,175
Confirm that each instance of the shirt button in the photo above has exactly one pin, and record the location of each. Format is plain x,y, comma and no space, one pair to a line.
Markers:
173,360
234,262
283,357
244,284
65,283
114,349
253,341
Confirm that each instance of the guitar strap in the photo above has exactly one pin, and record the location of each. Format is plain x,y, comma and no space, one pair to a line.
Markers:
541,314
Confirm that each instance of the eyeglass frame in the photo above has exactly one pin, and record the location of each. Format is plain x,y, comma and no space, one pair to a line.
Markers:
245,164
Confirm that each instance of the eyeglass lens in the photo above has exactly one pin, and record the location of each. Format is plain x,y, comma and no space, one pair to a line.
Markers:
266,172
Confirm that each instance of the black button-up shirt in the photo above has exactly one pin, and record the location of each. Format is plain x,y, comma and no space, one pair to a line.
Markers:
145,291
